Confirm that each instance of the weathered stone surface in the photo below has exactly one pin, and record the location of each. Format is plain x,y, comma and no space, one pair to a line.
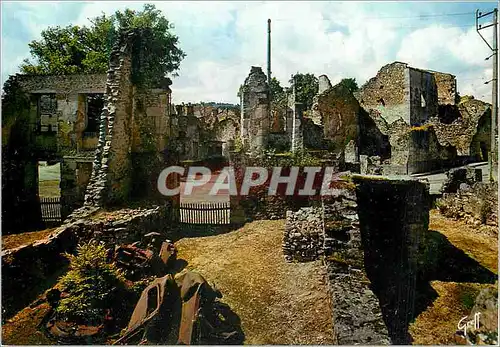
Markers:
357,316
458,176
476,204
23,266
339,111
468,129
304,235
255,110
399,101
394,219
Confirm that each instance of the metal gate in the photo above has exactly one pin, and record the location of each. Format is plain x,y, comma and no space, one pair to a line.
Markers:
51,210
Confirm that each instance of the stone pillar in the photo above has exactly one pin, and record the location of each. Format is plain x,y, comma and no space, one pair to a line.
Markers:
323,85
297,131
394,220
255,103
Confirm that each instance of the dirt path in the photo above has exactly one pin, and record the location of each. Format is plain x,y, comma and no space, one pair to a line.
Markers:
16,240
438,323
277,302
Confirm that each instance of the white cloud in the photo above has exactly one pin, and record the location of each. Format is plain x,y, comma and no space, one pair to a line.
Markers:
224,39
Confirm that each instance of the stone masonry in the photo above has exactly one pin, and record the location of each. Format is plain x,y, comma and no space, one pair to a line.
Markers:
109,180
303,238
255,110
132,133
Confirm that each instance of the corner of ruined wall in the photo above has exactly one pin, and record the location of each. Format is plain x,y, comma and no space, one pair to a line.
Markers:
357,316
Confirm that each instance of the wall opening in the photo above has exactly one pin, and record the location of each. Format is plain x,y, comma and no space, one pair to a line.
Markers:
94,106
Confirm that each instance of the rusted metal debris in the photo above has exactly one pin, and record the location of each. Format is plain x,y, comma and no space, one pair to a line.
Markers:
138,262
176,310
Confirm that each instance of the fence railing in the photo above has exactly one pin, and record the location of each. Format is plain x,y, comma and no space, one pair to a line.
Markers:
205,213
51,209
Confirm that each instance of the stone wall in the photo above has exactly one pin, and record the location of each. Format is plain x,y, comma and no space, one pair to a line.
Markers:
323,85
23,267
255,110
339,111
394,219
399,104
357,317
423,96
133,127
110,179
426,154
387,93
63,84
469,132
446,88
304,234
475,203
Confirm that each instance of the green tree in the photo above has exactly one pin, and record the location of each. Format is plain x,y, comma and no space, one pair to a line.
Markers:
74,49
276,91
350,83
306,88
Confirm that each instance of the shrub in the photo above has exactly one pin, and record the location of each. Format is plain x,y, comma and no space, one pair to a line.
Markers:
92,285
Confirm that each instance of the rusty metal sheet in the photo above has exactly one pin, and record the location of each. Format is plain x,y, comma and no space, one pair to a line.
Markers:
189,317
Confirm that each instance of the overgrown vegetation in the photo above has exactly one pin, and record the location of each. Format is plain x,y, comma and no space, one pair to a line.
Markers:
92,285
76,50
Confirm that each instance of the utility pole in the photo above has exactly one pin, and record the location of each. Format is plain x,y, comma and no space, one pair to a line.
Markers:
269,52
493,157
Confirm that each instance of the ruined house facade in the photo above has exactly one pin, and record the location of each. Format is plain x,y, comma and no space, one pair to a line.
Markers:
104,130
199,131
404,120
407,106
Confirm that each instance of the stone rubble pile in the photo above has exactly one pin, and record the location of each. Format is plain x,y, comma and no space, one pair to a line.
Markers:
476,205
303,238
461,178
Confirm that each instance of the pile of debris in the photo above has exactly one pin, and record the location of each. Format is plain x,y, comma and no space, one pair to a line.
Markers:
476,204
304,235
171,309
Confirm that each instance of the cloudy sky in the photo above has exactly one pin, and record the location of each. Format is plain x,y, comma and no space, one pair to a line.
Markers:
223,40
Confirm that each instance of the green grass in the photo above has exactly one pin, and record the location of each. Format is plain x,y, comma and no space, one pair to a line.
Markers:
49,189
49,173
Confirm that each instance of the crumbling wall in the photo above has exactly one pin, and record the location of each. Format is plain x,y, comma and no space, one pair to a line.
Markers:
402,101
339,111
255,110
132,132
470,132
323,85
23,267
476,204
394,220
110,181
304,234
357,317
426,154
446,88
388,93
423,96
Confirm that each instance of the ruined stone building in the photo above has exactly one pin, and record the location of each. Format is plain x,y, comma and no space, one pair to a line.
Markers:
70,119
402,121
199,131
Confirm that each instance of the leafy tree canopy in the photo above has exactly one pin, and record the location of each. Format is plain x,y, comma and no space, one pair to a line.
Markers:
306,88
74,49
350,83
276,91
